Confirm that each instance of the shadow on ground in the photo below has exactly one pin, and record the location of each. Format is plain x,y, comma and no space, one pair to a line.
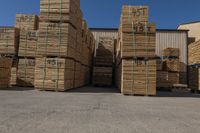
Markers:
91,89
17,89
177,94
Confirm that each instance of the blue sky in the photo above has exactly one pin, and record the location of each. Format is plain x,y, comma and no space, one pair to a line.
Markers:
167,14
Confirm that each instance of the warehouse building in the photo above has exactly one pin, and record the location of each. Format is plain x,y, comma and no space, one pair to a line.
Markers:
165,38
194,32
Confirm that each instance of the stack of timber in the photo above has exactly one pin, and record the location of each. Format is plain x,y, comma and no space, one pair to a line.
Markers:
60,40
28,25
26,22
194,78
194,66
169,75
14,68
25,72
9,41
104,62
193,53
54,74
136,60
5,71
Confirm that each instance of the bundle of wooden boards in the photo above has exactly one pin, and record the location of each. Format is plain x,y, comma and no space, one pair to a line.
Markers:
5,71
9,42
136,63
63,38
168,73
104,60
194,66
28,39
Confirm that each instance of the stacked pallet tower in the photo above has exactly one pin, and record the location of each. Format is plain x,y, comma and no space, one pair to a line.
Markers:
168,72
136,63
194,66
60,65
104,62
24,65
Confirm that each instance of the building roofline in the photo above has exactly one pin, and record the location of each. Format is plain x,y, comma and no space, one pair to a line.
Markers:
192,22
116,29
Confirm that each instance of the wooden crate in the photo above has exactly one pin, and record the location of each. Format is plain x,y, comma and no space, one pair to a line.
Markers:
5,72
194,53
167,79
54,74
28,43
9,40
25,72
172,65
102,76
57,39
138,77
194,78
171,52
27,21
61,11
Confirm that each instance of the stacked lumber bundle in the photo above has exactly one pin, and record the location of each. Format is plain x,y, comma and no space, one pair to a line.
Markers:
5,71
102,76
193,53
9,41
169,75
62,40
136,63
25,72
26,21
171,52
28,43
55,74
14,68
194,78
167,79
104,60
63,11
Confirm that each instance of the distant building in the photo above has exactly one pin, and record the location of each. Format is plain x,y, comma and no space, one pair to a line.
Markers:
194,30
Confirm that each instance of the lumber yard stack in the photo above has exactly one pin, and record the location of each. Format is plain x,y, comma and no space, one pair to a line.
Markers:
136,63
28,26
5,71
168,74
63,53
194,66
104,62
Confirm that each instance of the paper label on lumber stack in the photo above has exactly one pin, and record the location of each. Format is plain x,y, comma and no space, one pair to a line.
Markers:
56,74
28,43
5,72
138,77
9,41
61,11
57,39
25,73
26,22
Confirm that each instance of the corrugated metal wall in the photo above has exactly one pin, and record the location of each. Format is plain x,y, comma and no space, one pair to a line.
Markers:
173,39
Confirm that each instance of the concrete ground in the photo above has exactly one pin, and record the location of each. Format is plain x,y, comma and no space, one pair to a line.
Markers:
97,110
